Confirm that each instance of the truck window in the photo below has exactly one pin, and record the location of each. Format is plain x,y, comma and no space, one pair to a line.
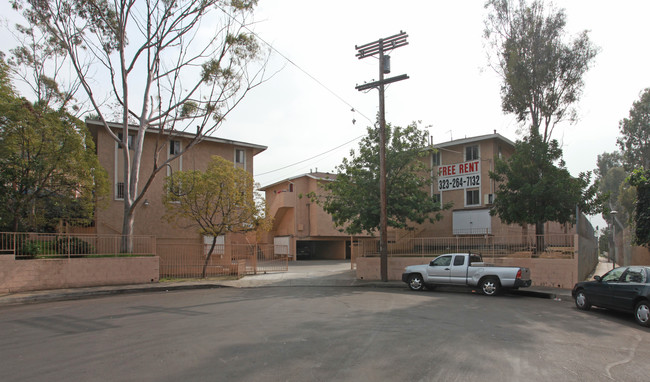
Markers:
441,261
459,260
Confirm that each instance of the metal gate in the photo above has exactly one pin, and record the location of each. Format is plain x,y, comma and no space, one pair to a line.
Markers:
267,258
186,259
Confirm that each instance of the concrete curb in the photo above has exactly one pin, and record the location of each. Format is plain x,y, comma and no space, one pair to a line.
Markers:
83,293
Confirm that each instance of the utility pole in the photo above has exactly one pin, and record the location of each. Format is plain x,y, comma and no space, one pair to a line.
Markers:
367,50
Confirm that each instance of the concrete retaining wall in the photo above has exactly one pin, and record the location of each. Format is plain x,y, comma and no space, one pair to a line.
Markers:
26,275
640,256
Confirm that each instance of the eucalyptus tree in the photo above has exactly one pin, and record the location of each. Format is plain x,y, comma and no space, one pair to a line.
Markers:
162,66
541,72
634,141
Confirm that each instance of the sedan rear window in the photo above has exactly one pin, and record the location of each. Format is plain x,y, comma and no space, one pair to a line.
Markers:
634,275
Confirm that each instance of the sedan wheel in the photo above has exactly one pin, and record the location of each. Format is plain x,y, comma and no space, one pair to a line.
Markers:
582,302
416,282
642,313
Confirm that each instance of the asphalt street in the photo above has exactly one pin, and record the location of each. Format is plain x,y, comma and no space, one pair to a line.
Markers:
319,333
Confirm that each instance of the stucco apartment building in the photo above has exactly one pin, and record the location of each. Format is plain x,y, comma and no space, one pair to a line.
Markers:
301,224
149,215
460,169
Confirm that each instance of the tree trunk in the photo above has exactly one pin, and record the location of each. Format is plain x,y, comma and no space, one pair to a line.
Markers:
207,258
539,239
14,224
127,229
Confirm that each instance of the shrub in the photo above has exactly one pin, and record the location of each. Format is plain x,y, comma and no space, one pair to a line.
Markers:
29,249
74,246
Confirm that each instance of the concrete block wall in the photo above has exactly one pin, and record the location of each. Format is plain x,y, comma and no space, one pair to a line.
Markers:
557,273
41,274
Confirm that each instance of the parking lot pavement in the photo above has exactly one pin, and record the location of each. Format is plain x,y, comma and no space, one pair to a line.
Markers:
300,274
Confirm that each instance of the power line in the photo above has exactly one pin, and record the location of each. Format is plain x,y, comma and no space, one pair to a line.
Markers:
315,80
315,156
296,65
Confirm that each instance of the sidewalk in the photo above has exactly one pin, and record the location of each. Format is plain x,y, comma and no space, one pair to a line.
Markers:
267,280
302,274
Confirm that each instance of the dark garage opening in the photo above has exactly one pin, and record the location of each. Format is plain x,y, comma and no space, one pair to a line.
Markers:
321,249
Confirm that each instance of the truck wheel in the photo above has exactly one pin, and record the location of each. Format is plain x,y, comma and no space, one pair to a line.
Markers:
642,313
582,302
490,286
416,282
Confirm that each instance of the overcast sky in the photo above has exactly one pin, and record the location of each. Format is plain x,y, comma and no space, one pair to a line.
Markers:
450,89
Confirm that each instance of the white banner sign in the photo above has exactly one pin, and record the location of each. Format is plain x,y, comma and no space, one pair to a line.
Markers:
459,176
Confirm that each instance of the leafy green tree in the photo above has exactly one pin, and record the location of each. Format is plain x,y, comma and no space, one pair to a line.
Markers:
634,141
217,201
352,199
541,72
166,65
532,189
641,180
47,160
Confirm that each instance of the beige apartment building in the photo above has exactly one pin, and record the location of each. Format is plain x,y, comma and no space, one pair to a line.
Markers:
301,224
149,215
460,169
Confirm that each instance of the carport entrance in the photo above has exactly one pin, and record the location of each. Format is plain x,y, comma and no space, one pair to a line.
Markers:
322,249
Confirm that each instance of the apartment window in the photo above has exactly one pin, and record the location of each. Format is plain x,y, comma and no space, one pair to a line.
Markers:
175,165
119,194
240,158
174,147
435,159
120,189
130,141
472,198
437,199
471,153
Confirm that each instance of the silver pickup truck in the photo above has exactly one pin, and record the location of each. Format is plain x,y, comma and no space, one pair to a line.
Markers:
465,269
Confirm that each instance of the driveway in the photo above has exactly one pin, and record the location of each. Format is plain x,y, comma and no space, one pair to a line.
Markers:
304,273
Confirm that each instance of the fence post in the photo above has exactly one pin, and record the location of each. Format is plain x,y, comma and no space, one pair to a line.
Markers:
422,247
